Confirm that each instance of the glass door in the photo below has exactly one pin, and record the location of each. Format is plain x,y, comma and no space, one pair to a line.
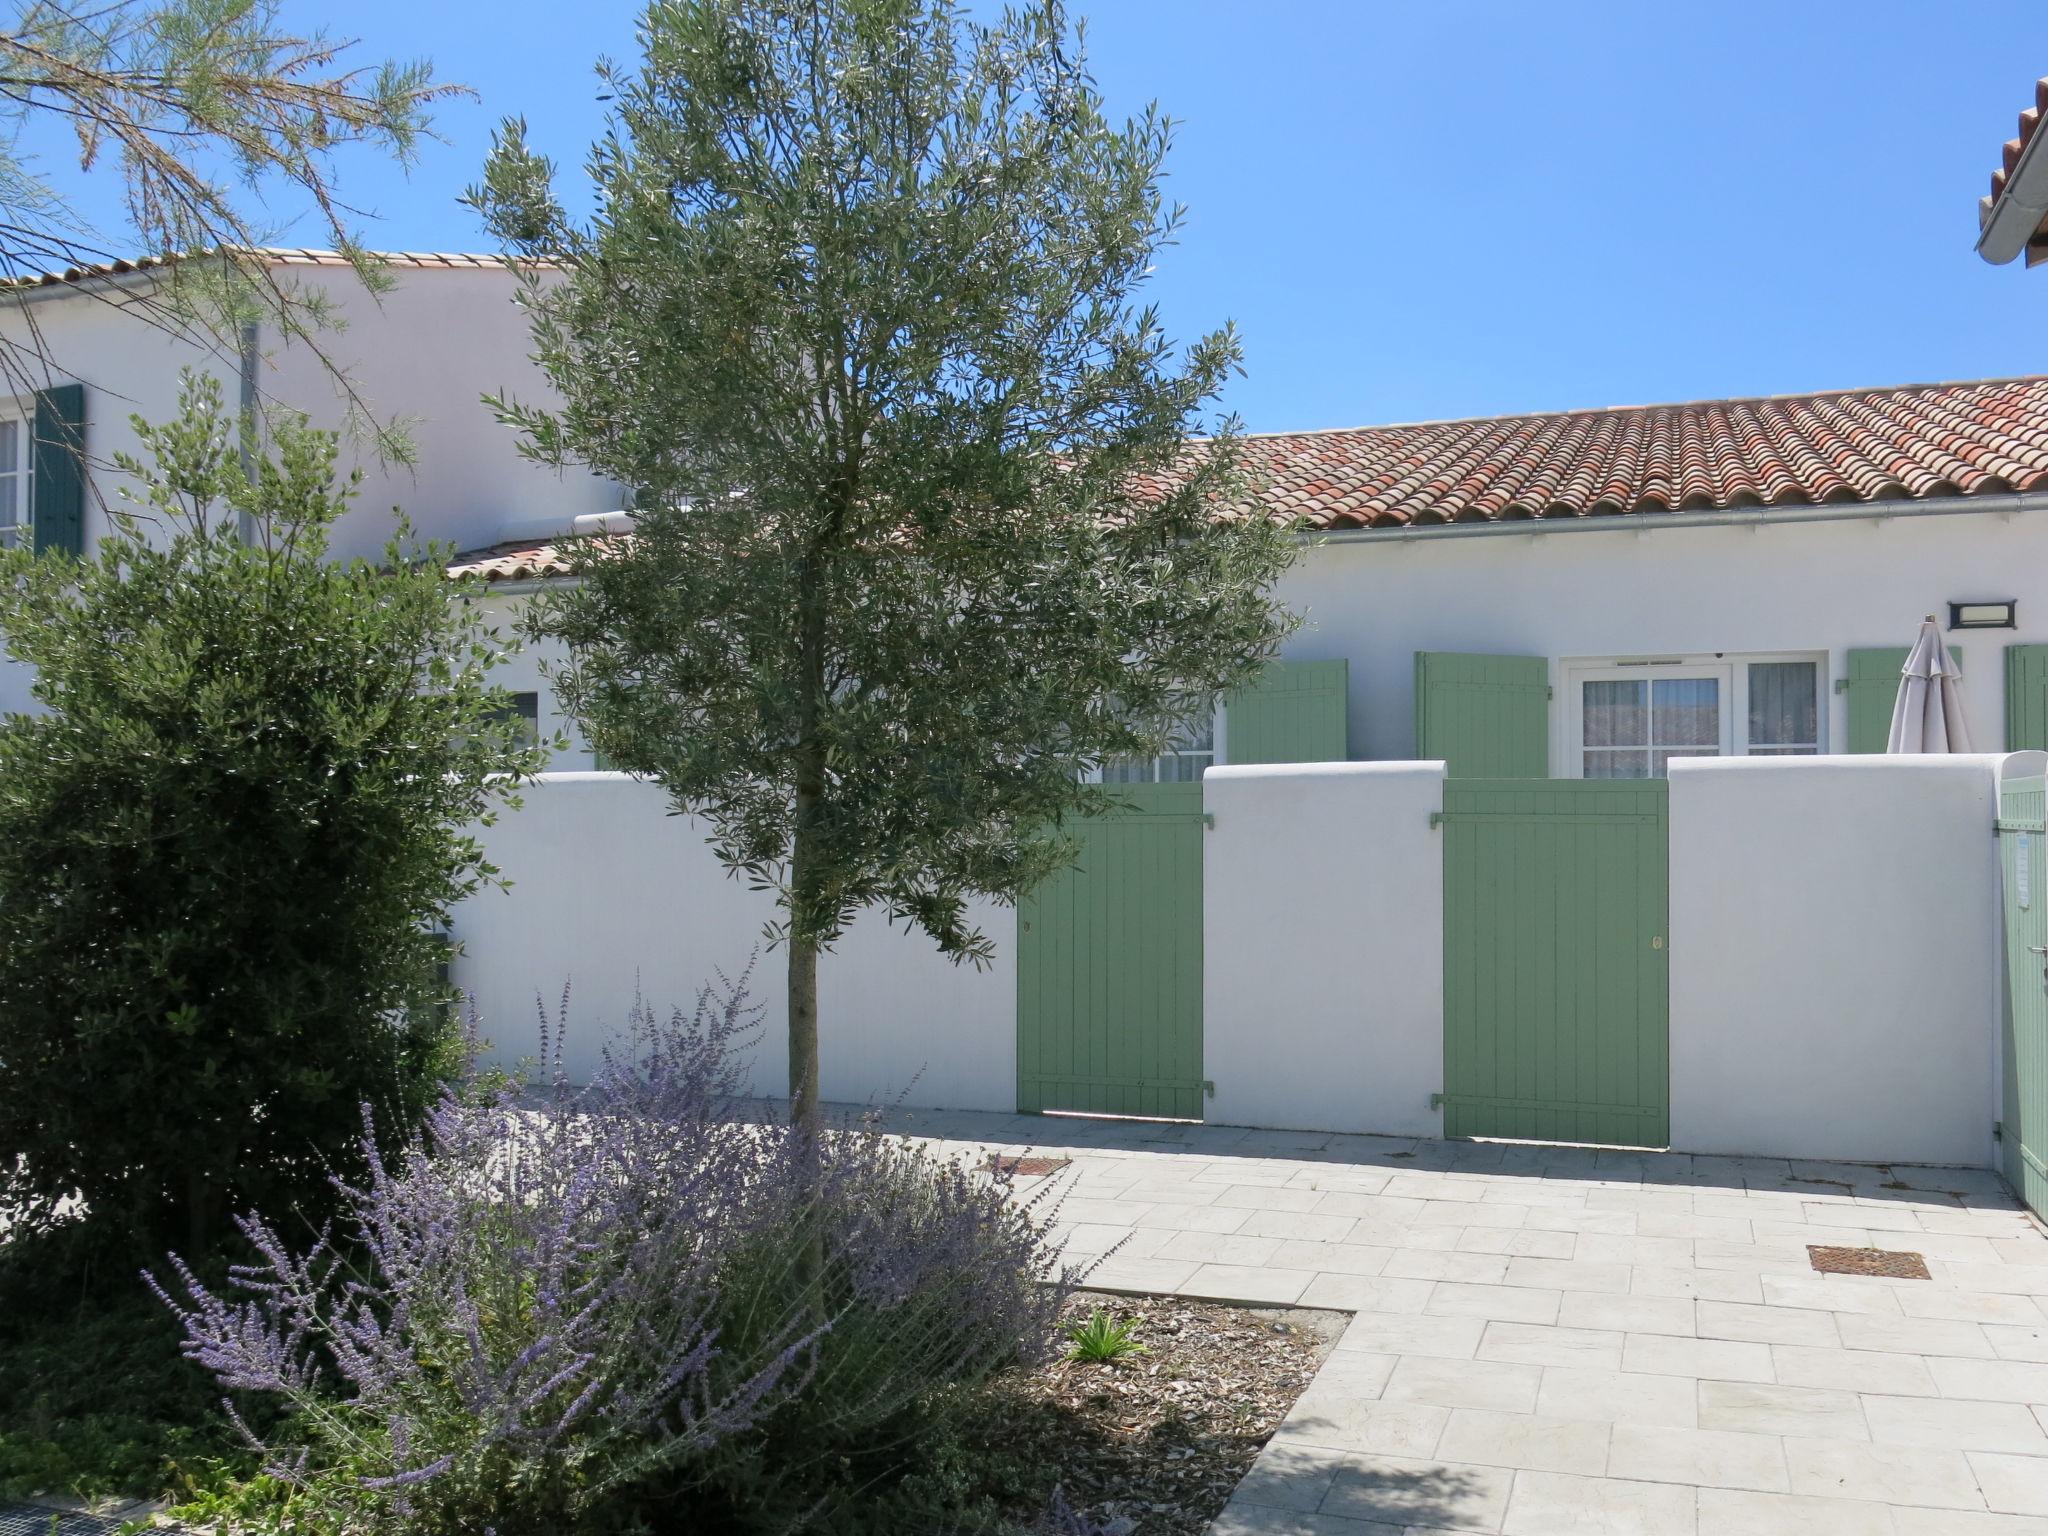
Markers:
1633,720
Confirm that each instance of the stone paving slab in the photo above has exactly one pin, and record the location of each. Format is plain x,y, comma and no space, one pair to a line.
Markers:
1569,1341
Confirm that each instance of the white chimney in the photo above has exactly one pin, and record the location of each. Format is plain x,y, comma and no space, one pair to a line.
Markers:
602,522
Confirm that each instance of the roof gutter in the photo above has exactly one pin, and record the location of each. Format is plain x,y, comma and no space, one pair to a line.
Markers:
2008,504
2018,210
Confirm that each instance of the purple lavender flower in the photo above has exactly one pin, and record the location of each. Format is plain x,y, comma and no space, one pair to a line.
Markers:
561,1295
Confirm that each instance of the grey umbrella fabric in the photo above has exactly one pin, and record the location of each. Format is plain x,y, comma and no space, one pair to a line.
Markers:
1928,716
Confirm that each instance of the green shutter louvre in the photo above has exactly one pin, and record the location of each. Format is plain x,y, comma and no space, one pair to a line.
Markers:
58,486
2026,698
1294,713
1486,717
1872,687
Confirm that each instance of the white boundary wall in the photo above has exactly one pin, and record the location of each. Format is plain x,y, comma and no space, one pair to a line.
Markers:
1322,946
1835,939
1836,957
610,892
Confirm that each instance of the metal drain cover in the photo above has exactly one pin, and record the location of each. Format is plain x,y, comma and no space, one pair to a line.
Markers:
1027,1167
1884,1263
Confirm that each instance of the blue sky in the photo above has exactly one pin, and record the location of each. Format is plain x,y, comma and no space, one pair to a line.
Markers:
1466,207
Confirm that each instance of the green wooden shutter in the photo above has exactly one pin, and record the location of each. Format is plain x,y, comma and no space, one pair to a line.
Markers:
1872,687
58,486
1294,713
2026,698
1486,717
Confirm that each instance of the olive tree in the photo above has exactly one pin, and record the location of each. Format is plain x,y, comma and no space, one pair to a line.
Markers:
922,531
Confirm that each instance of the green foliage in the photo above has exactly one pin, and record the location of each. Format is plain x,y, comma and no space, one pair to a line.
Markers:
1102,1338
206,111
225,842
96,1398
920,535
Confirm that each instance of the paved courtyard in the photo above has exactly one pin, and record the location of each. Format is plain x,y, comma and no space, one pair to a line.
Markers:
1554,1341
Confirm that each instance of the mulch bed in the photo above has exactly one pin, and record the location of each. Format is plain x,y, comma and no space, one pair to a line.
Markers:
1886,1264
1161,1439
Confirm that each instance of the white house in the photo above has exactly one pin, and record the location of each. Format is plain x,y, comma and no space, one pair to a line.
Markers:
1722,578
423,353
1402,906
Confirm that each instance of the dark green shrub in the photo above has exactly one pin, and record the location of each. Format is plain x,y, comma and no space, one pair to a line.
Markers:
225,844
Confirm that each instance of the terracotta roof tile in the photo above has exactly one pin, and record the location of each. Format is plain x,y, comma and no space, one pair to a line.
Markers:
2029,124
282,256
519,560
1782,451
1845,446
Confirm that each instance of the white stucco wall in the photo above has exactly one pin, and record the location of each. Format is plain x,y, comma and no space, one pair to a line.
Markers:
424,353
1322,946
612,894
1663,591
1835,957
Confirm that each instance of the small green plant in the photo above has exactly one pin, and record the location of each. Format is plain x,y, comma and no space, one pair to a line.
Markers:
1102,1338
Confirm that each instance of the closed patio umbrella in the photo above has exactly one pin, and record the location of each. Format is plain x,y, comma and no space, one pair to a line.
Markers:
1928,716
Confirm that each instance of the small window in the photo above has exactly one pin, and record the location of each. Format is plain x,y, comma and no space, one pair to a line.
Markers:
14,478
1193,751
524,710
1784,708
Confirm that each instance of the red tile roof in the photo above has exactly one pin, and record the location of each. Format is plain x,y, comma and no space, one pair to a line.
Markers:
517,560
2030,121
1864,445
1840,447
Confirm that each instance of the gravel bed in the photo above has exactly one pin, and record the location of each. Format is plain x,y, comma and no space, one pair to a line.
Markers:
1160,1439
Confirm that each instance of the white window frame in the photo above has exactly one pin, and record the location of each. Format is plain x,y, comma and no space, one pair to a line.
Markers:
23,415
1218,736
1730,668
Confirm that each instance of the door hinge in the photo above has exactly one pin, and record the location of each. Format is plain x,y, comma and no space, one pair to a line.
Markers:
1436,818
1841,685
1998,1130
1549,692
1209,821
1436,1101
1208,1087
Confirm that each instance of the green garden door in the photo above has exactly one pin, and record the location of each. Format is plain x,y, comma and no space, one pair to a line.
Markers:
2022,832
1556,996
1109,952
1109,966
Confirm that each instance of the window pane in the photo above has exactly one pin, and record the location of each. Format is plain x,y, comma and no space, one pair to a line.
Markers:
524,713
1686,711
1614,716
1128,770
1784,704
1783,751
10,446
1617,765
1663,759
9,493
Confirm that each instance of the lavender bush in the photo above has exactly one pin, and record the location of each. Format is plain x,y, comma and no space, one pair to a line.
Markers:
563,1307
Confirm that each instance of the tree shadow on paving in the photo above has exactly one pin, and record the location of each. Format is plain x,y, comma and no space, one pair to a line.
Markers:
1619,1167
1384,1491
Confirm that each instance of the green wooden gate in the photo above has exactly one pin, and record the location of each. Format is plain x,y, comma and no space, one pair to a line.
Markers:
1109,966
1109,952
1556,996
2022,815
